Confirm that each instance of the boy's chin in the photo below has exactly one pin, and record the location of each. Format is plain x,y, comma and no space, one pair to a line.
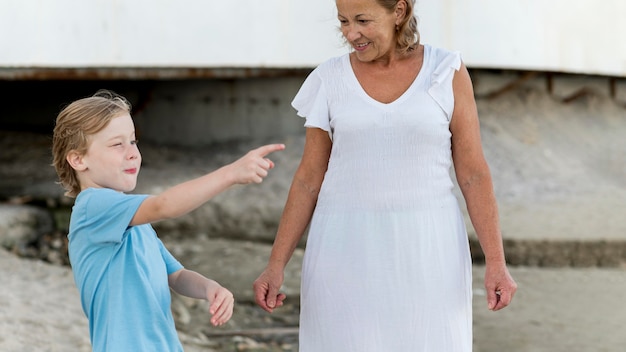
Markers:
127,189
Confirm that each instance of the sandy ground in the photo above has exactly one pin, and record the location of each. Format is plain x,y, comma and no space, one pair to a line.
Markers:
39,308
555,310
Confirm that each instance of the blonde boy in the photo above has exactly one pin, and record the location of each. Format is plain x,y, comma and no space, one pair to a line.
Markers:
121,268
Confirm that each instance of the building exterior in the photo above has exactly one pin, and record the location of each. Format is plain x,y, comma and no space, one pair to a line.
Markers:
228,70
579,36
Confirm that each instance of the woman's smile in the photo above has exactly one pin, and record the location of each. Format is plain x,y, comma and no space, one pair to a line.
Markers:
361,46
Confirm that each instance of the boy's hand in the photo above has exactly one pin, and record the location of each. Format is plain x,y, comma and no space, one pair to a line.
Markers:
253,167
222,303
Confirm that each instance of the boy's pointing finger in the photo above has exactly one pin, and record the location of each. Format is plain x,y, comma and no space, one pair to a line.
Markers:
269,148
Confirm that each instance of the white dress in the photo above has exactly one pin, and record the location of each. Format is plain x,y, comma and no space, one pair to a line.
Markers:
387,264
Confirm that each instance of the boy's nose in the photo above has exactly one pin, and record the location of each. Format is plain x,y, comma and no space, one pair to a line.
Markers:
133,152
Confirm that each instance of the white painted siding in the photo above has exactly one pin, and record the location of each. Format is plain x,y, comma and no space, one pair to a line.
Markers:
580,36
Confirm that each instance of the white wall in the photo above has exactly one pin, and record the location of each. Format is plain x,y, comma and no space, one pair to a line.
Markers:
581,36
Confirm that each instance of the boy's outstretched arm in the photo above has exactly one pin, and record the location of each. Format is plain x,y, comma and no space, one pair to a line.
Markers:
187,196
191,284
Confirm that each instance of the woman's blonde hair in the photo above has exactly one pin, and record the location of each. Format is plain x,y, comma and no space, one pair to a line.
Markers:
74,124
408,36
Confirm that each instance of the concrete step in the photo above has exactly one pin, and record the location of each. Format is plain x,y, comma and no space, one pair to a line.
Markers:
559,253
554,310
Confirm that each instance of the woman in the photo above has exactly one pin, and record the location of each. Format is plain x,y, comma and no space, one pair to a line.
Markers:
387,265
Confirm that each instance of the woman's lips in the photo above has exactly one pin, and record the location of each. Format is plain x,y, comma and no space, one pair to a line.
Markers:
361,47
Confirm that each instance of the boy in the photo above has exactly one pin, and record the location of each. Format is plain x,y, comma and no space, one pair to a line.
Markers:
122,270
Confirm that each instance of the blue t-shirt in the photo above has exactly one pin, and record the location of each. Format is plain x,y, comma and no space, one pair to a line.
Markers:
121,272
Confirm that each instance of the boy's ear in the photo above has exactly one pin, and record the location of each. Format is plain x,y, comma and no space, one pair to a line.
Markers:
75,159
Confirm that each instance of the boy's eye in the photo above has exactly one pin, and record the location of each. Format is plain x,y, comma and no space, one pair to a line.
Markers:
134,142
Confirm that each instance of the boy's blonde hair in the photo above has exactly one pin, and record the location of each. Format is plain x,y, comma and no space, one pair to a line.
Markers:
74,124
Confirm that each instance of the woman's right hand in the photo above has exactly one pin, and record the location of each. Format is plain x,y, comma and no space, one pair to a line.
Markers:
266,288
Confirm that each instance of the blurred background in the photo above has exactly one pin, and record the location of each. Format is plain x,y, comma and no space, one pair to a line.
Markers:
208,80
212,64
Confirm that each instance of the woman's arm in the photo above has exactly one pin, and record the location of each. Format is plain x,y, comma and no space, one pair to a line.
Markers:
296,216
474,179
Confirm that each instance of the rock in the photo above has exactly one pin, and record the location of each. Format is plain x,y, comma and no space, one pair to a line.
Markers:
21,225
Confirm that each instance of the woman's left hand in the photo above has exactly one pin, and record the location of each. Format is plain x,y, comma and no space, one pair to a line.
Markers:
500,286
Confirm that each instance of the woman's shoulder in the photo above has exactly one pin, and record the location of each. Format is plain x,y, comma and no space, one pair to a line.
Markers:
439,53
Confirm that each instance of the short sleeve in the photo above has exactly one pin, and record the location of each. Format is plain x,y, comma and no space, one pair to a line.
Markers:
171,264
311,102
107,213
441,89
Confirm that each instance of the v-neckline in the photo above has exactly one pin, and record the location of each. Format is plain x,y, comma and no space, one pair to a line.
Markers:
398,100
